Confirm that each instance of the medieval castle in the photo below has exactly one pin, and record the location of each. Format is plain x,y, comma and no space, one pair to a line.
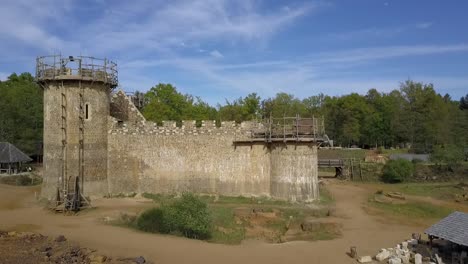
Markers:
97,138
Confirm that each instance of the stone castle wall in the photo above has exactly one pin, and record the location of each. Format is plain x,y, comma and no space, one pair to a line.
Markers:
124,153
144,157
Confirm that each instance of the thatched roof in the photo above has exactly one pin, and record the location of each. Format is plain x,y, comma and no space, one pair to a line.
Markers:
11,154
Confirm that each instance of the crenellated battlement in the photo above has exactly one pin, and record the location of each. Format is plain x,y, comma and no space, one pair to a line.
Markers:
187,127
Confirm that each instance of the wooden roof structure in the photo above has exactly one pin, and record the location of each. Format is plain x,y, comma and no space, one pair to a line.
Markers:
11,154
453,228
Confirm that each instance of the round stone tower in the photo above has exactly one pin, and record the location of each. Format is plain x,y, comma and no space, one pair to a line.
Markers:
76,109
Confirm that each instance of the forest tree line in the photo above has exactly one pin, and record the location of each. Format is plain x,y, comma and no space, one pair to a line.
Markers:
414,115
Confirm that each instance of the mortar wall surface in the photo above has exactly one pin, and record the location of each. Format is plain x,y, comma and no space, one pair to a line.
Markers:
95,135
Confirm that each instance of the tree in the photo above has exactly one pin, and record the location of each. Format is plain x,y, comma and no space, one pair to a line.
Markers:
164,102
21,112
449,155
464,102
241,109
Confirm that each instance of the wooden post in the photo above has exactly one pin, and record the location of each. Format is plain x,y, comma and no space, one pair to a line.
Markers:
353,252
360,170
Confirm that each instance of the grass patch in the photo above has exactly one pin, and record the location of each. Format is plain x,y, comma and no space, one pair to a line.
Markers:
441,191
226,230
233,219
325,234
413,209
326,197
21,180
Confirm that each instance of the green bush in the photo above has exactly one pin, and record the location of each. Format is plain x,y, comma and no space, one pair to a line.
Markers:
396,171
187,216
152,221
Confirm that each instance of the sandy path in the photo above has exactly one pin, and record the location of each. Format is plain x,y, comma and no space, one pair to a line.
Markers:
360,230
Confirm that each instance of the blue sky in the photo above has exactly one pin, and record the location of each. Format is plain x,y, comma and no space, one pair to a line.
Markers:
225,49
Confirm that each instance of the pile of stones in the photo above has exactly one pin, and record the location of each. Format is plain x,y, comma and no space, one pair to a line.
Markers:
410,251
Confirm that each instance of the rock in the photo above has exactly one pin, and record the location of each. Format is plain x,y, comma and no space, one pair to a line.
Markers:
404,245
395,195
383,254
139,260
412,242
417,259
364,259
405,259
394,260
98,259
416,236
12,233
60,238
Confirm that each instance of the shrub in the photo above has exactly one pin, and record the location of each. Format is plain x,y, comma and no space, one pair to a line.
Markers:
187,216
397,171
23,180
152,221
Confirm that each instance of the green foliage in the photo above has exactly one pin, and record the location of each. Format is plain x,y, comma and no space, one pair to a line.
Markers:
413,115
242,109
153,221
164,102
464,102
226,230
187,216
21,112
450,155
396,171
414,210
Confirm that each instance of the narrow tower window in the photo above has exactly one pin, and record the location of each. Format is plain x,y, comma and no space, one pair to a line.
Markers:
87,111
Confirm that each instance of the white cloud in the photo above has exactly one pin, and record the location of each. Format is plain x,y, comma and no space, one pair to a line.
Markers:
369,54
382,32
163,26
424,25
332,73
216,54
4,76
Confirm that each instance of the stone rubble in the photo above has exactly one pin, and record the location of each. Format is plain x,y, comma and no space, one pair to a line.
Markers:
412,251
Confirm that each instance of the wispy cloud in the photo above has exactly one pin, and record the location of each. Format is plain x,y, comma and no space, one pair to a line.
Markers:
369,54
329,72
424,25
378,32
216,54
4,76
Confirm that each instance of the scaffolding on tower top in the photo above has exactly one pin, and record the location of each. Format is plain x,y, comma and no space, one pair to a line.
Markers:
57,67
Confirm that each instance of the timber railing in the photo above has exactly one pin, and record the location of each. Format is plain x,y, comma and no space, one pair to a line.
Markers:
286,129
56,67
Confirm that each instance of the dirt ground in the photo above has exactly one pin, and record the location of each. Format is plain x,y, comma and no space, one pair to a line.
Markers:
19,211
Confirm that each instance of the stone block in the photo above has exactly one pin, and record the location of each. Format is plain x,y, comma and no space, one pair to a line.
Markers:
364,259
418,259
404,245
405,259
394,260
383,254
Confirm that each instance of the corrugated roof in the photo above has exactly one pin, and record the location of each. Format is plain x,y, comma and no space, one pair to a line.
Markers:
453,228
11,154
